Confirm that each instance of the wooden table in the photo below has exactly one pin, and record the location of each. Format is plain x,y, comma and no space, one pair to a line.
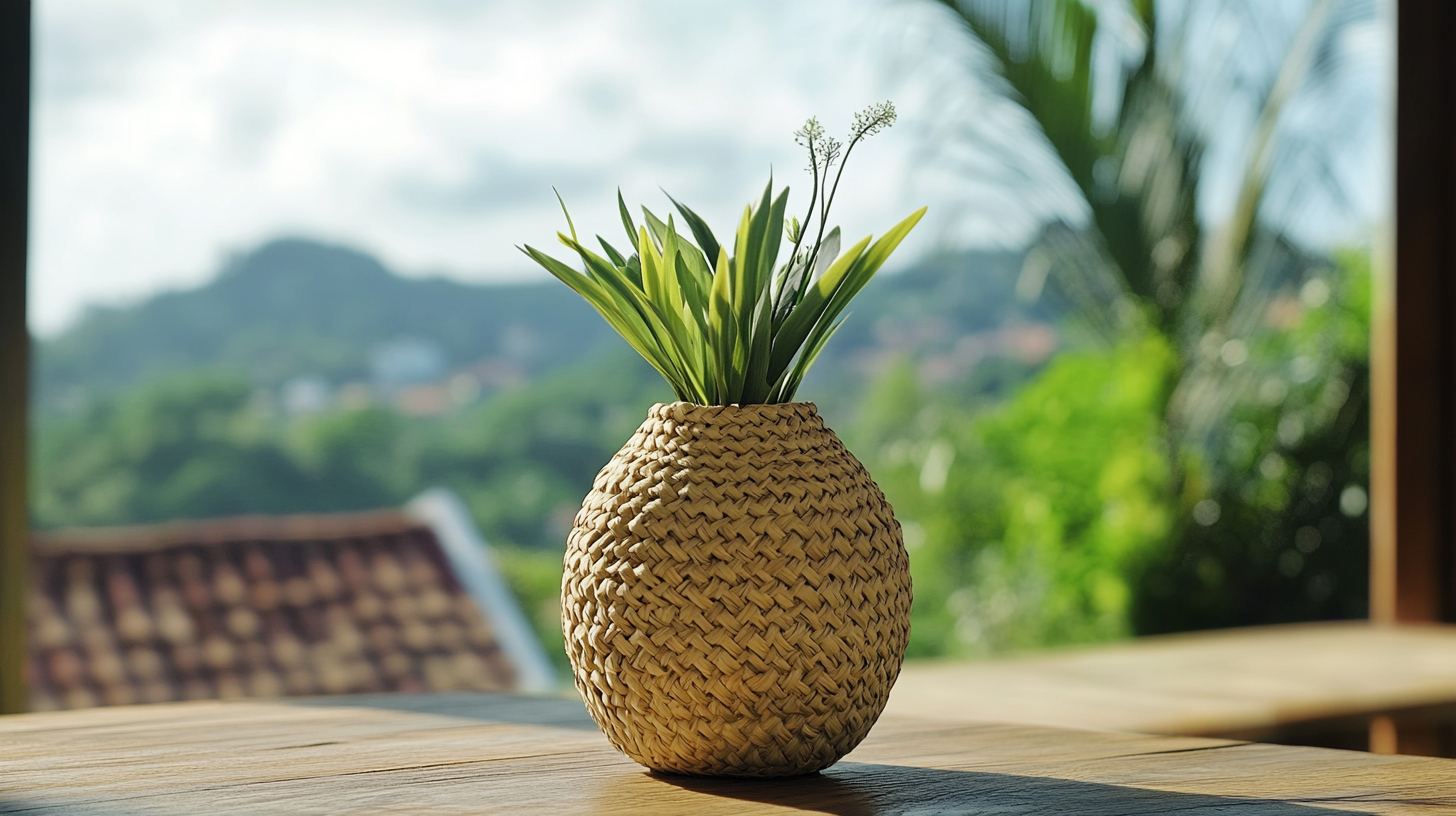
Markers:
1242,682
474,753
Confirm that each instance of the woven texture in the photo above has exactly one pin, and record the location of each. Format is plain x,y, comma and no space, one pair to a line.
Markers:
737,595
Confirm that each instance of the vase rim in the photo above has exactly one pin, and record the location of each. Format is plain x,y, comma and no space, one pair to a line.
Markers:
697,412
736,406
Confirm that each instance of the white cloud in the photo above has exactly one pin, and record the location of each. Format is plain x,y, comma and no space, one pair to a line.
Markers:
171,132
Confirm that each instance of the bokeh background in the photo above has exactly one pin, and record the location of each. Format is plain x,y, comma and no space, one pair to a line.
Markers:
1116,383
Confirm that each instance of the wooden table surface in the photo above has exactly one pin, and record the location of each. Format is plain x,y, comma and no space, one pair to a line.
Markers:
475,753
1203,683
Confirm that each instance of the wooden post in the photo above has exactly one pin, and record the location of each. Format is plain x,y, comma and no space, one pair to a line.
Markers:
14,343
1413,548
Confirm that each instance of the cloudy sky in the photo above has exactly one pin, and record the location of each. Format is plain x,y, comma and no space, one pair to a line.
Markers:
169,133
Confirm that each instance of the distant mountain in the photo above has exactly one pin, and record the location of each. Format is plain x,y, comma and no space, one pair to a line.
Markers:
299,308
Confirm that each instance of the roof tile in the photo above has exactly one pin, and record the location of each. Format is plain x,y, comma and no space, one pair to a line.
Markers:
252,607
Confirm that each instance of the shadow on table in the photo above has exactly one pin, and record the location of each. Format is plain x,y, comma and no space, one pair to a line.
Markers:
863,789
517,709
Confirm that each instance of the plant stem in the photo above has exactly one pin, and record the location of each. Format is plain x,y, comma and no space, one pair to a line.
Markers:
813,197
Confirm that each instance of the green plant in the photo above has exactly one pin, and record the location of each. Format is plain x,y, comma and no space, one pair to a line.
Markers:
728,329
1027,520
1154,258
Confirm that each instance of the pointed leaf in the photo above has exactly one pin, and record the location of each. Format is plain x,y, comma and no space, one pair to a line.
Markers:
828,251
559,200
617,259
773,239
627,324
704,236
810,310
627,224
655,225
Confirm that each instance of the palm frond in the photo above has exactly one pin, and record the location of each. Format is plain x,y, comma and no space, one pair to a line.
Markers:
1140,177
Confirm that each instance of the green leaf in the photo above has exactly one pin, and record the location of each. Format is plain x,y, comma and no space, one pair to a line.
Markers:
671,289
880,252
796,279
655,225
698,266
750,257
652,272
791,383
755,381
559,200
695,294
704,236
810,310
828,251
627,324
875,257
666,328
612,253
633,270
626,219
722,326
667,295
852,278
773,239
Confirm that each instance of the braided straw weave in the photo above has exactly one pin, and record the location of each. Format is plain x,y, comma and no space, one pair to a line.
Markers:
737,594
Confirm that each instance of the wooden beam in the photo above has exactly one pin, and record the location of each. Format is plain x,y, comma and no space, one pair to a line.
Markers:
1259,682
14,343
1413,552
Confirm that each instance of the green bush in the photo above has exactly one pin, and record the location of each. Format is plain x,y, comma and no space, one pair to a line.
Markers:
1273,528
1024,519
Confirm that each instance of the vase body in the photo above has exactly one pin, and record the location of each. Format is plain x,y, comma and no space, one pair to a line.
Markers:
736,596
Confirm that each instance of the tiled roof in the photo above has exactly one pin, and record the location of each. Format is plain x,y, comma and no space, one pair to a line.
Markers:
258,606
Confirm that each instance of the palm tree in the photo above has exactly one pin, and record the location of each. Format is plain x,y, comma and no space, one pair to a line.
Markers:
1138,134
1147,244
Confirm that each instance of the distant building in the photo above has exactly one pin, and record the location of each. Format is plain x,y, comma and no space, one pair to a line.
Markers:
406,361
305,394
269,606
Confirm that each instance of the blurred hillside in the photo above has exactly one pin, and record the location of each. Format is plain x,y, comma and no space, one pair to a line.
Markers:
296,308
314,324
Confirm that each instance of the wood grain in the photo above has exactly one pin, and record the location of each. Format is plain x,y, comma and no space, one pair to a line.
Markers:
1198,684
474,753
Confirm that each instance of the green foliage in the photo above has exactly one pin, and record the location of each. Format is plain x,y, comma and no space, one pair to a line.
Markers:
734,329
203,446
522,462
1261,469
1148,246
184,448
1281,534
1053,516
1139,174
1025,519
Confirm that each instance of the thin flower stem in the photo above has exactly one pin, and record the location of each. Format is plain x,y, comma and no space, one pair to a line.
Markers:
883,117
813,197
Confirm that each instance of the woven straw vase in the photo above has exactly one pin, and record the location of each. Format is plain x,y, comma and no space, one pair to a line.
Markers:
737,595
